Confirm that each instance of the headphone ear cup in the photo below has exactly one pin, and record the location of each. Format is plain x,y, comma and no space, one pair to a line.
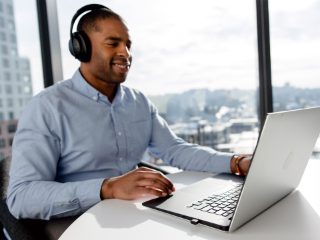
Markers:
71,46
80,46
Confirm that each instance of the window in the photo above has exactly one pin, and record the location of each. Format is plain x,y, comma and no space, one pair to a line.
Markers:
200,71
11,115
4,50
12,128
10,9
7,76
13,51
10,102
26,89
10,141
3,36
295,52
26,78
13,38
5,63
11,25
1,22
8,89
2,143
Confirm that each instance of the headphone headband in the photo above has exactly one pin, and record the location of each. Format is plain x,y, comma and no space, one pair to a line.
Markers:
89,7
79,43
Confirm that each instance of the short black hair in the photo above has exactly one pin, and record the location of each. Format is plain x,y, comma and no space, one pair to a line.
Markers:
88,21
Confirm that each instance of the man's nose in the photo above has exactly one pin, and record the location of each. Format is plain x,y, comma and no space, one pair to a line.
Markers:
124,51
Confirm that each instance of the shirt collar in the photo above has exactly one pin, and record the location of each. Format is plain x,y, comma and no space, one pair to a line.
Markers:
84,88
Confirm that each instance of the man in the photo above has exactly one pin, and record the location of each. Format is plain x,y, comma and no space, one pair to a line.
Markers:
79,141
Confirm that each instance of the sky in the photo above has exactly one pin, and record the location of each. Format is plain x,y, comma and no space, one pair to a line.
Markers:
179,45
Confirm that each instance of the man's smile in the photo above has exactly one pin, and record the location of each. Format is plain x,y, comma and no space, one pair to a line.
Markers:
121,67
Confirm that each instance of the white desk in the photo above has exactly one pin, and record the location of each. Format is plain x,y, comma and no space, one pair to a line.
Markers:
295,217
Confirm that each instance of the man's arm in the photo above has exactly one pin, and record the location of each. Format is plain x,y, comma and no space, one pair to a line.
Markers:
175,151
33,191
145,181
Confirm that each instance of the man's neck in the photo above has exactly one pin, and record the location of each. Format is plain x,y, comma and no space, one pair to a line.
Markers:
107,89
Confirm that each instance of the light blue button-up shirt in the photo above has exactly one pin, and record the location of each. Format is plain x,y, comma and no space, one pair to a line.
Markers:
70,138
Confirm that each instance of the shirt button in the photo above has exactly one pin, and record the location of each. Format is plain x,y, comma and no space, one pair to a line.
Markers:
119,133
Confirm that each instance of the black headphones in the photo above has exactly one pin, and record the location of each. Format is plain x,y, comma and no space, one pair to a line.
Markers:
79,43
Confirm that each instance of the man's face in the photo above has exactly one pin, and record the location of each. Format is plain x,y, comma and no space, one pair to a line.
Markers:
111,57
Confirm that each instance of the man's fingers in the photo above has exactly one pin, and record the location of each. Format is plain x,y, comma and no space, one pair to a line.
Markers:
155,175
137,183
245,164
142,191
155,184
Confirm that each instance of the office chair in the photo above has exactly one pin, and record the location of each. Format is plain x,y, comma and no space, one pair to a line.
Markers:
17,229
26,229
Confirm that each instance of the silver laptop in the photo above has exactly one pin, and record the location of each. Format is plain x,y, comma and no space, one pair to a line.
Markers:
226,202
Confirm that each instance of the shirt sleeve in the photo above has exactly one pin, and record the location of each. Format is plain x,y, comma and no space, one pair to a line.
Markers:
176,152
33,191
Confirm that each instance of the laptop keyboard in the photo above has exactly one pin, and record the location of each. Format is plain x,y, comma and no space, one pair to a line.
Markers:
223,204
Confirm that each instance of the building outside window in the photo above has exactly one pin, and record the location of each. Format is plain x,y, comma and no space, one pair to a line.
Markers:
19,46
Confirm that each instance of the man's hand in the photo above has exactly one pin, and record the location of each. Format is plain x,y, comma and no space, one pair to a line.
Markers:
240,164
137,183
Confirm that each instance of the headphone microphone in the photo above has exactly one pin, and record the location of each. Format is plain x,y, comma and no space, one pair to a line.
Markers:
79,43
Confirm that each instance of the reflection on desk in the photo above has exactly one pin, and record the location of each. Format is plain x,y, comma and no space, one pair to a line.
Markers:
294,217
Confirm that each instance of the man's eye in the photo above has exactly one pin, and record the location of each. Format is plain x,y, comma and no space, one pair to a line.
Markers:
113,44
